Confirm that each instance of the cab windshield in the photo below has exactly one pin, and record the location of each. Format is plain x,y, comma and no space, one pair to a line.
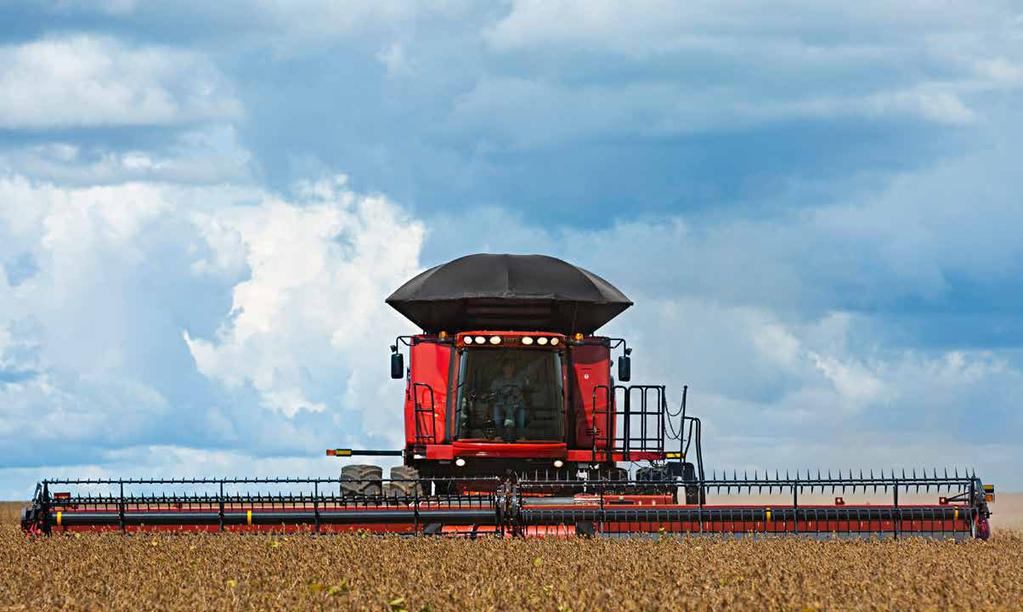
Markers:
509,395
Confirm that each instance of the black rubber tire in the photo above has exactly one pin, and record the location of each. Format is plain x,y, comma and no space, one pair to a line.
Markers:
402,488
694,495
644,474
616,474
653,474
361,480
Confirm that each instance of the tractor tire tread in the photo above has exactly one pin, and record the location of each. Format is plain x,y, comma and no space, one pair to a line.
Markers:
361,480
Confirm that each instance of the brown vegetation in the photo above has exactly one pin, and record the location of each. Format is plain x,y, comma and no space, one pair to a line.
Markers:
302,572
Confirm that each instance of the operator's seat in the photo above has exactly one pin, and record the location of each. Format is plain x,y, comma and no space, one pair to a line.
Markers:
541,417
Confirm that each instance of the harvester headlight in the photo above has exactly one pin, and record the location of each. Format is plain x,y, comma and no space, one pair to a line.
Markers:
541,341
527,340
495,339
480,340
467,340
554,342
558,463
460,462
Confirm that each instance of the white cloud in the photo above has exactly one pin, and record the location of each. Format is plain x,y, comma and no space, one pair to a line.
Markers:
530,112
314,297
289,291
652,26
211,154
712,66
84,80
313,301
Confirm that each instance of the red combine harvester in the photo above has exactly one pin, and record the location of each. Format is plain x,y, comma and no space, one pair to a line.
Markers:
514,425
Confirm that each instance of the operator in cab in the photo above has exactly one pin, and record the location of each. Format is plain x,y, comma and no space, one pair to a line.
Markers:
509,400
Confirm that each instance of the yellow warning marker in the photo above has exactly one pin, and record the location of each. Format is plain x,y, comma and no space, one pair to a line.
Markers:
768,514
248,517
60,516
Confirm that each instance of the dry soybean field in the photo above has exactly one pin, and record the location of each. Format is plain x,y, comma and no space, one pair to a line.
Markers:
299,572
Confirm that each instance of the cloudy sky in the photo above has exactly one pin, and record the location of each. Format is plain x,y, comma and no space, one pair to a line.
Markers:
202,206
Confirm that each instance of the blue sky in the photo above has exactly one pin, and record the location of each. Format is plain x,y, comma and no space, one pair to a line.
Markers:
202,206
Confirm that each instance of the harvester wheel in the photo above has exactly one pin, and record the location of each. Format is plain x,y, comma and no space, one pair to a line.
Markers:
407,485
653,474
618,474
694,495
361,480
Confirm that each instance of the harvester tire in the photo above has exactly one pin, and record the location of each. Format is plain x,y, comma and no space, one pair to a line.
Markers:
618,474
402,488
694,495
653,474
361,480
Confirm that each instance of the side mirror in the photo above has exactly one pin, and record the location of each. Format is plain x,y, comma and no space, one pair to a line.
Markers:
397,365
624,368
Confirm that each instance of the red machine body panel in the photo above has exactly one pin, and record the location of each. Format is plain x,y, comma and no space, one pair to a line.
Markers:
590,377
511,450
427,393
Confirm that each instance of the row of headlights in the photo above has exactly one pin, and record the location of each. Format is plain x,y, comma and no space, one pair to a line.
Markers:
542,340
526,340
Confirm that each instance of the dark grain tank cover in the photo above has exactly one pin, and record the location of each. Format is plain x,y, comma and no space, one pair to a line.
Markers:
509,292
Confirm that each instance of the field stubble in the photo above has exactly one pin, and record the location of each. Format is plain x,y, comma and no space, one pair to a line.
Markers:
301,572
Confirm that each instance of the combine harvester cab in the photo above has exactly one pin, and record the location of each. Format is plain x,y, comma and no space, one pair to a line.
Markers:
517,423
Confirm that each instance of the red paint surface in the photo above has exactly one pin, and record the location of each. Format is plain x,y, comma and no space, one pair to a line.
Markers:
428,383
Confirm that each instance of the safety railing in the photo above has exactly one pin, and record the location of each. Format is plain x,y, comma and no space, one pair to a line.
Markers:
636,419
424,413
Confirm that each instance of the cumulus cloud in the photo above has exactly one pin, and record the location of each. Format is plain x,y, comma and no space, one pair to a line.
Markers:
103,340
82,80
312,302
205,155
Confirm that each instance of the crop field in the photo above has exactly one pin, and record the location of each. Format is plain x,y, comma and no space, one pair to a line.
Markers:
353,572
